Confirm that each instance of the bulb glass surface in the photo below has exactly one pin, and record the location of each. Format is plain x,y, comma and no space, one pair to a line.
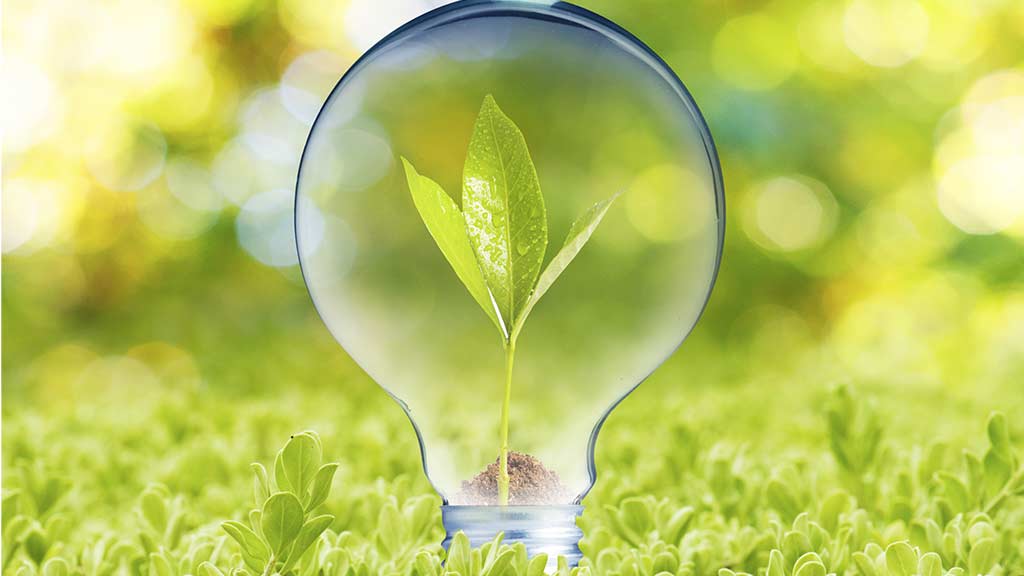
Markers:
601,115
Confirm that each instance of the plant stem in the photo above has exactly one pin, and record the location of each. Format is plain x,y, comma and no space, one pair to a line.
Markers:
510,354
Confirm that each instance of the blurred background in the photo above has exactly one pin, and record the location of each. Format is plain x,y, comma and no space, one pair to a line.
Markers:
873,154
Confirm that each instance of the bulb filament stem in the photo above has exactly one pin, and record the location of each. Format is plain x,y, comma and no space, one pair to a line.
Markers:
503,480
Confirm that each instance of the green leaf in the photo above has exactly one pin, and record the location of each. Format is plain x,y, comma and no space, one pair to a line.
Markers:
56,567
501,564
282,520
390,529
677,524
321,485
930,564
154,509
426,564
537,565
300,459
159,565
504,210
447,226
901,559
280,477
459,558
665,562
775,564
261,483
808,558
310,531
208,569
865,565
35,544
813,568
999,436
983,557
336,562
580,232
254,552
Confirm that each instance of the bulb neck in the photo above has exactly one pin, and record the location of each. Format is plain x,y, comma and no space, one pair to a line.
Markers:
550,530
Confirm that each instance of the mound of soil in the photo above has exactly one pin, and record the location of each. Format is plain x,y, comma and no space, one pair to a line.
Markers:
529,483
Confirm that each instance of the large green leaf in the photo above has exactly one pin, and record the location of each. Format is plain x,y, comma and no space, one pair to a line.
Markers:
282,519
580,232
254,552
310,531
447,227
301,459
504,210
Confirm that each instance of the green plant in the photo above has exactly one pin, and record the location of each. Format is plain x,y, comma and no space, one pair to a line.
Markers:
496,242
283,527
684,501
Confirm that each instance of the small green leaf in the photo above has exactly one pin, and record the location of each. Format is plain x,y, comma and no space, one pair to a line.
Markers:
321,485
955,491
426,564
254,552
930,564
280,477
391,527
504,210
310,531
154,509
813,568
665,562
300,459
490,550
865,565
56,567
261,483
208,569
808,558
795,544
336,562
580,232
776,564
999,436
159,565
459,558
281,521
501,564
832,508
35,544
901,559
983,557
537,565
447,226
677,524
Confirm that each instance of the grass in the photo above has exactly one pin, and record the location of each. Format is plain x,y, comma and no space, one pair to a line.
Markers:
109,491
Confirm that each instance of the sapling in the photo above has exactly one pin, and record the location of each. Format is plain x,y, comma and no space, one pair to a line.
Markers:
496,241
284,524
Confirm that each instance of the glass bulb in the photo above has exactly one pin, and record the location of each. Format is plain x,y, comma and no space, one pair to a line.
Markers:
605,121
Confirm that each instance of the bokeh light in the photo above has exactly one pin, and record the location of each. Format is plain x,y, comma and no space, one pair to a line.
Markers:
886,33
755,52
980,162
789,214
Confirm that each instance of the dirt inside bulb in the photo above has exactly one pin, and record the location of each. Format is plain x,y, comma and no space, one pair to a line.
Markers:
530,483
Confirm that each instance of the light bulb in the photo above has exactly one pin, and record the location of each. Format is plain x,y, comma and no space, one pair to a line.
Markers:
457,164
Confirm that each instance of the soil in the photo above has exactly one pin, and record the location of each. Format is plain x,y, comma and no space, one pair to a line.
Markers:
529,483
